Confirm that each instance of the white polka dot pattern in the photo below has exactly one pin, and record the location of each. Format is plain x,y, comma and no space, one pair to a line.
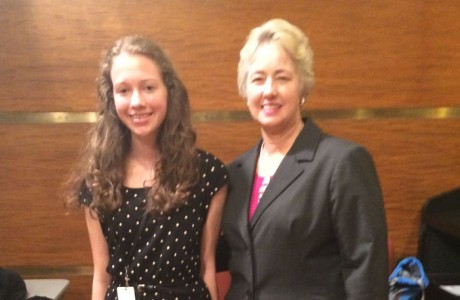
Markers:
169,245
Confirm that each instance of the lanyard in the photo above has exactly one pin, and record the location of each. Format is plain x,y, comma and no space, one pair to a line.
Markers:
135,242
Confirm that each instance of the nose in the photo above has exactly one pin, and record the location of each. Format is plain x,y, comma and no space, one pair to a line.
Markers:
269,88
136,99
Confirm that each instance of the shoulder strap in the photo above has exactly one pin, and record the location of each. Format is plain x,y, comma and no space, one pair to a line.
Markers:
135,242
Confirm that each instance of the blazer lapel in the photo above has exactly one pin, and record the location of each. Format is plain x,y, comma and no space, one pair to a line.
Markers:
287,172
245,176
290,169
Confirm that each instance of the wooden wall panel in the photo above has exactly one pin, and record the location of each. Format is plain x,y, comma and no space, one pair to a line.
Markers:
79,288
368,53
391,55
35,229
227,139
415,159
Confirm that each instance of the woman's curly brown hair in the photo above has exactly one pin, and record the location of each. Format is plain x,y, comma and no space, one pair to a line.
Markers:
102,165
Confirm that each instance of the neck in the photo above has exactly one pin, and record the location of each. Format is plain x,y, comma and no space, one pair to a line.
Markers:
143,151
140,164
274,148
280,142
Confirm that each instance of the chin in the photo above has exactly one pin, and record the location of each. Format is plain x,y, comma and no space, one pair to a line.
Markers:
268,121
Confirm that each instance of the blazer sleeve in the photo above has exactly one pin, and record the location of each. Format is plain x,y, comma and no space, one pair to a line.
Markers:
359,222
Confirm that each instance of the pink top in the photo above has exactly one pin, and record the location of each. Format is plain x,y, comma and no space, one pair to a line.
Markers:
258,189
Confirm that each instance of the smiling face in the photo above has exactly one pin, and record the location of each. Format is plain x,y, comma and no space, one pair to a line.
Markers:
140,94
273,89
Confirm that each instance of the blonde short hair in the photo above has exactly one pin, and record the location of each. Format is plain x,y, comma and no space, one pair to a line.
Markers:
288,36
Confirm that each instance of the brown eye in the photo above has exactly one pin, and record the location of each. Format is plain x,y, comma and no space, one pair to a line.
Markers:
283,78
149,88
257,80
121,91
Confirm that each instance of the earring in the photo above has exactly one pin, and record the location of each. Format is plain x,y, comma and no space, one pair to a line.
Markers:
302,101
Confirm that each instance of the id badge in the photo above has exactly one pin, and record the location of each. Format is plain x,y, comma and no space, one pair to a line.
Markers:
126,293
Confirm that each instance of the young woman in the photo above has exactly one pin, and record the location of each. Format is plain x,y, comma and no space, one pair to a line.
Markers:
153,201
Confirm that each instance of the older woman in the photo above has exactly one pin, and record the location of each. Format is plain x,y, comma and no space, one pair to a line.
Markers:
304,218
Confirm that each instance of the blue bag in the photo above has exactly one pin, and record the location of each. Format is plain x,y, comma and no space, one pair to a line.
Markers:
408,280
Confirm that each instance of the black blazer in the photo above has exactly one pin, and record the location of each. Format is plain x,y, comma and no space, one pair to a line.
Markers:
319,231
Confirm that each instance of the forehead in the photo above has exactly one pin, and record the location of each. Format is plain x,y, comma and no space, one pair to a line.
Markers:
128,64
271,57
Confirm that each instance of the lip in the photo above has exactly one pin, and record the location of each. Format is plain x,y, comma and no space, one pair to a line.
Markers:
140,117
270,108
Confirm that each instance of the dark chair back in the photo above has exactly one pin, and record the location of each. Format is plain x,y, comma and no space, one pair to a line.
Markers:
439,242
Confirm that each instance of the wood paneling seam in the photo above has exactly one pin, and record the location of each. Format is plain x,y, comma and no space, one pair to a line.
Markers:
23,117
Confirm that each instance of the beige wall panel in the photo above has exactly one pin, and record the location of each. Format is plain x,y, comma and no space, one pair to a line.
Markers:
368,53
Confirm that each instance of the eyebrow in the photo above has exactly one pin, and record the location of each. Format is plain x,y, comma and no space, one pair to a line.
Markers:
147,80
277,72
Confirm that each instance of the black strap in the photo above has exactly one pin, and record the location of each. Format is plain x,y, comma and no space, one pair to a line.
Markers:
133,248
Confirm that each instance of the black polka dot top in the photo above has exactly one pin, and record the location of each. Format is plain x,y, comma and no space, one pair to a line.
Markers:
167,255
